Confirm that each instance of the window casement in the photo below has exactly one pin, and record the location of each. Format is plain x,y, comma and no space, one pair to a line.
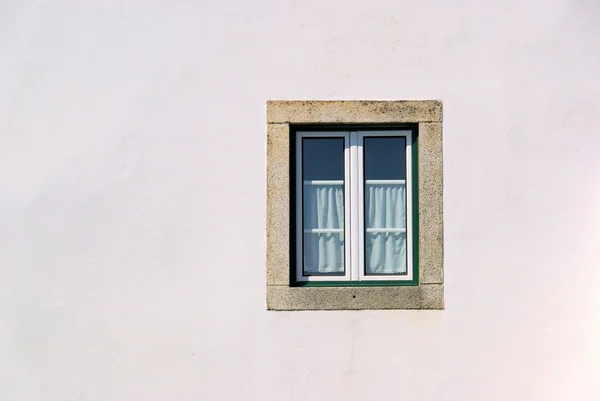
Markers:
354,207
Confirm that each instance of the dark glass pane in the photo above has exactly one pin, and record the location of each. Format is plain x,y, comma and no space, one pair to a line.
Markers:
385,158
323,158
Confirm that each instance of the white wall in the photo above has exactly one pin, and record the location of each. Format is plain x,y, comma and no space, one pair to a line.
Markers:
132,199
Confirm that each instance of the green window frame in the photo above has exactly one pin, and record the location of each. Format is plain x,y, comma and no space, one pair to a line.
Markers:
294,199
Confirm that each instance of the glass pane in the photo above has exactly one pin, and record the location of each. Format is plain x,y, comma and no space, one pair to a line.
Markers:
323,158
385,158
323,254
323,206
385,205
385,253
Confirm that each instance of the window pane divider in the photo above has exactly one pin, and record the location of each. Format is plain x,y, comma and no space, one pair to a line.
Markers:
386,230
323,230
324,182
386,182
355,194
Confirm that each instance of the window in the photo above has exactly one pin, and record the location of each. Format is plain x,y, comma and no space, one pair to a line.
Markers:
354,205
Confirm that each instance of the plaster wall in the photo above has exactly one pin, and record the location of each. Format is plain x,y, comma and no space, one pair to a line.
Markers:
132,199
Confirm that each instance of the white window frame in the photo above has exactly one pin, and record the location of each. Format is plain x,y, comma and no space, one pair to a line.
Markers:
359,207
299,204
354,241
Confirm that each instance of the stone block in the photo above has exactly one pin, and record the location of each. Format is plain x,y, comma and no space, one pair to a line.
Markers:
353,112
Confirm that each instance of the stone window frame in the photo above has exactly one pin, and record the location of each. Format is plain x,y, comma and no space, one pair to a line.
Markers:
427,116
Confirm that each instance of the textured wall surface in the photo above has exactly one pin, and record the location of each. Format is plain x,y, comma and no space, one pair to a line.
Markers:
132,199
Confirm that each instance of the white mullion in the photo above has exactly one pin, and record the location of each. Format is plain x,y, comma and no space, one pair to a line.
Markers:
360,205
347,206
358,208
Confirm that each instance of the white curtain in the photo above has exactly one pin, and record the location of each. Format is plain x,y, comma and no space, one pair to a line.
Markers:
324,209
385,208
